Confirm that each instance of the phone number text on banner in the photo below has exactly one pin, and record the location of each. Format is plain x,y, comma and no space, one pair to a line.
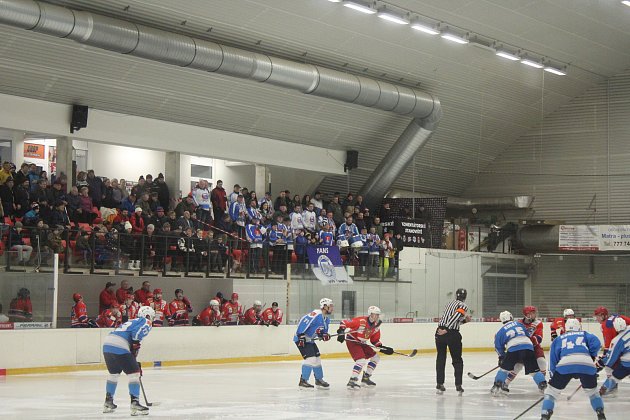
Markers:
594,238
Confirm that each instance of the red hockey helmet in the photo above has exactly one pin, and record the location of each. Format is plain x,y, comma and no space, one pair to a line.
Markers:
77,297
157,291
234,296
529,309
603,311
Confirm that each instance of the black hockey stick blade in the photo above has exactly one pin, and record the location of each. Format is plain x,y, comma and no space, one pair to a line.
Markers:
149,404
413,353
471,376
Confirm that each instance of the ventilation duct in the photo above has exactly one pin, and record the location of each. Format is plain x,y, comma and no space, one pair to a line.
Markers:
498,203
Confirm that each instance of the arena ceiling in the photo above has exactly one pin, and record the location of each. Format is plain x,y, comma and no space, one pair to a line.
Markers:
488,102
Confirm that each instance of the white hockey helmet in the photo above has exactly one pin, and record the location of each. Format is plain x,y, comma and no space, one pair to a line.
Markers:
146,312
506,316
325,302
619,324
257,303
214,302
572,325
374,310
568,312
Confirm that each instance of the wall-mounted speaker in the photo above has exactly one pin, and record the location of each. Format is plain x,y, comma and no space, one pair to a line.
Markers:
352,160
79,118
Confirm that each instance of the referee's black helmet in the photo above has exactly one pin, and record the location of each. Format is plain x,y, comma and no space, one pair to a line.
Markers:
461,294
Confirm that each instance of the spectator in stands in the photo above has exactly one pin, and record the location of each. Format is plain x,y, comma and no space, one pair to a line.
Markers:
16,244
97,190
129,203
158,219
74,202
374,245
378,228
55,240
171,218
121,218
185,222
252,210
107,297
129,247
255,239
144,204
277,242
151,245
219,200
85,213
141,294
253,198
203,203
78,314
39,237
360,221
359,203
387,254
137,222
117,194
121,293
179,308
154,202
7,197
57,193
186,204
5,172
385,213
266,213
32,216
149,184
60,216
82,180
234,195
122,184
217,250
3,317
140,188
186,248
164,195
267,199
273,315
108,199
166,241
246,194
45,211
306,199
252,315
281,212
335,208
22,174
317,200
201,243
44,175
21,308
282,199
367,218
238,213
301,241
33,177
22,196
297,201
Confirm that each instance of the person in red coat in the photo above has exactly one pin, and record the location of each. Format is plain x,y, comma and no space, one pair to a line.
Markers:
107,297
141,294
137,222
219,200
20,308
78,316
272,316
364,335
209,316
252,315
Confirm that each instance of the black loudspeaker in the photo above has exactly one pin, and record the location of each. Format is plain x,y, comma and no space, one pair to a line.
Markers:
352,160
79,118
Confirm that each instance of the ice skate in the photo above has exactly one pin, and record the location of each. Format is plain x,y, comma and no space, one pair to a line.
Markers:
459,389
600,414
499,388
109,405
547,415
304,383
137,409
366,380
353,383
608,392
440,389
321,384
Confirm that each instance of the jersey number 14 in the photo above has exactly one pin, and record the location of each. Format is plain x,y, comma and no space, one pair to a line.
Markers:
570,344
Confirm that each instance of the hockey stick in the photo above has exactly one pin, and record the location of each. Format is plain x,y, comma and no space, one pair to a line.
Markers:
412,354
471,376
529,408
144,393
574,392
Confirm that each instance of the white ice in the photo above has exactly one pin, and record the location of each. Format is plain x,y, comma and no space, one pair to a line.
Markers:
405,390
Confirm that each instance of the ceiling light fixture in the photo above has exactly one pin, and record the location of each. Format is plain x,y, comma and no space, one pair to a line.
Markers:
508,55
626,2
359,6
390,16
454,38
423,27
532,63
555,71
335,1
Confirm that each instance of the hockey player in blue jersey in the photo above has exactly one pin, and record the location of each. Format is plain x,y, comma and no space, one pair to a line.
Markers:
120,349
313,326
514,345
572,356
617,361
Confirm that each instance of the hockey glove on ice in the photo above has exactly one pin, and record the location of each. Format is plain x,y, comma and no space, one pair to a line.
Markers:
301,340
341,337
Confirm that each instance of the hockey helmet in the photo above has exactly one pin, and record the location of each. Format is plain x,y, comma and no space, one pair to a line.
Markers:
325,302
374,310
529,309
602,311
505,316
157,292
568,312
572,325
461,294
24,293
214,302
77,297
146,312
619,324
235,296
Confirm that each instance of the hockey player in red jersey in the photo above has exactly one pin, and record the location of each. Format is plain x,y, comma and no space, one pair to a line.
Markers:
232,311
534,329
161,308
21,308
209,316
110,318
131,308
252,315
557,326
365,331
606,320
272,316
179,307
78,316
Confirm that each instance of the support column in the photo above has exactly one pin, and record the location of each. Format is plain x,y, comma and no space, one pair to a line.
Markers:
17,148
64,159
261,182
172,174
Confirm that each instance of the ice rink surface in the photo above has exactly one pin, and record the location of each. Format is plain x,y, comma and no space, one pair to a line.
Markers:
405,390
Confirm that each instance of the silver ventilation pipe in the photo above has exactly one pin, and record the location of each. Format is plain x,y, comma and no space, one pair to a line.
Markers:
180,50
492,203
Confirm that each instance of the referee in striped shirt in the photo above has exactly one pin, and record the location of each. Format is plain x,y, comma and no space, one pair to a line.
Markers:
447,335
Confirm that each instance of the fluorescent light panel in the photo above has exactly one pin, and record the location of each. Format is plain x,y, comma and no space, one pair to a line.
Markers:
335,1
532,63
626,2
451,37
509,56
359,6
392,17
555,71
427,29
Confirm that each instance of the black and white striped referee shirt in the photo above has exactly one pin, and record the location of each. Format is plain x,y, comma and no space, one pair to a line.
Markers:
454,315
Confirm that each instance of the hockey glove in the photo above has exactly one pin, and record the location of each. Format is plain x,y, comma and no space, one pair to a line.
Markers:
275,323
135,348
386,350
301,340
554,335
341,337
140,367
500,360
187,303
599,363
324,336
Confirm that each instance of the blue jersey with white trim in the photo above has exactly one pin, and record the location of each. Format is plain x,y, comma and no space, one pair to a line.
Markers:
119,341
573,352
619,350
310,323
511,337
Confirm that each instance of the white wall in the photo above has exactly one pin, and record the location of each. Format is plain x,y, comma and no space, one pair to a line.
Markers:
124,162
70,347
